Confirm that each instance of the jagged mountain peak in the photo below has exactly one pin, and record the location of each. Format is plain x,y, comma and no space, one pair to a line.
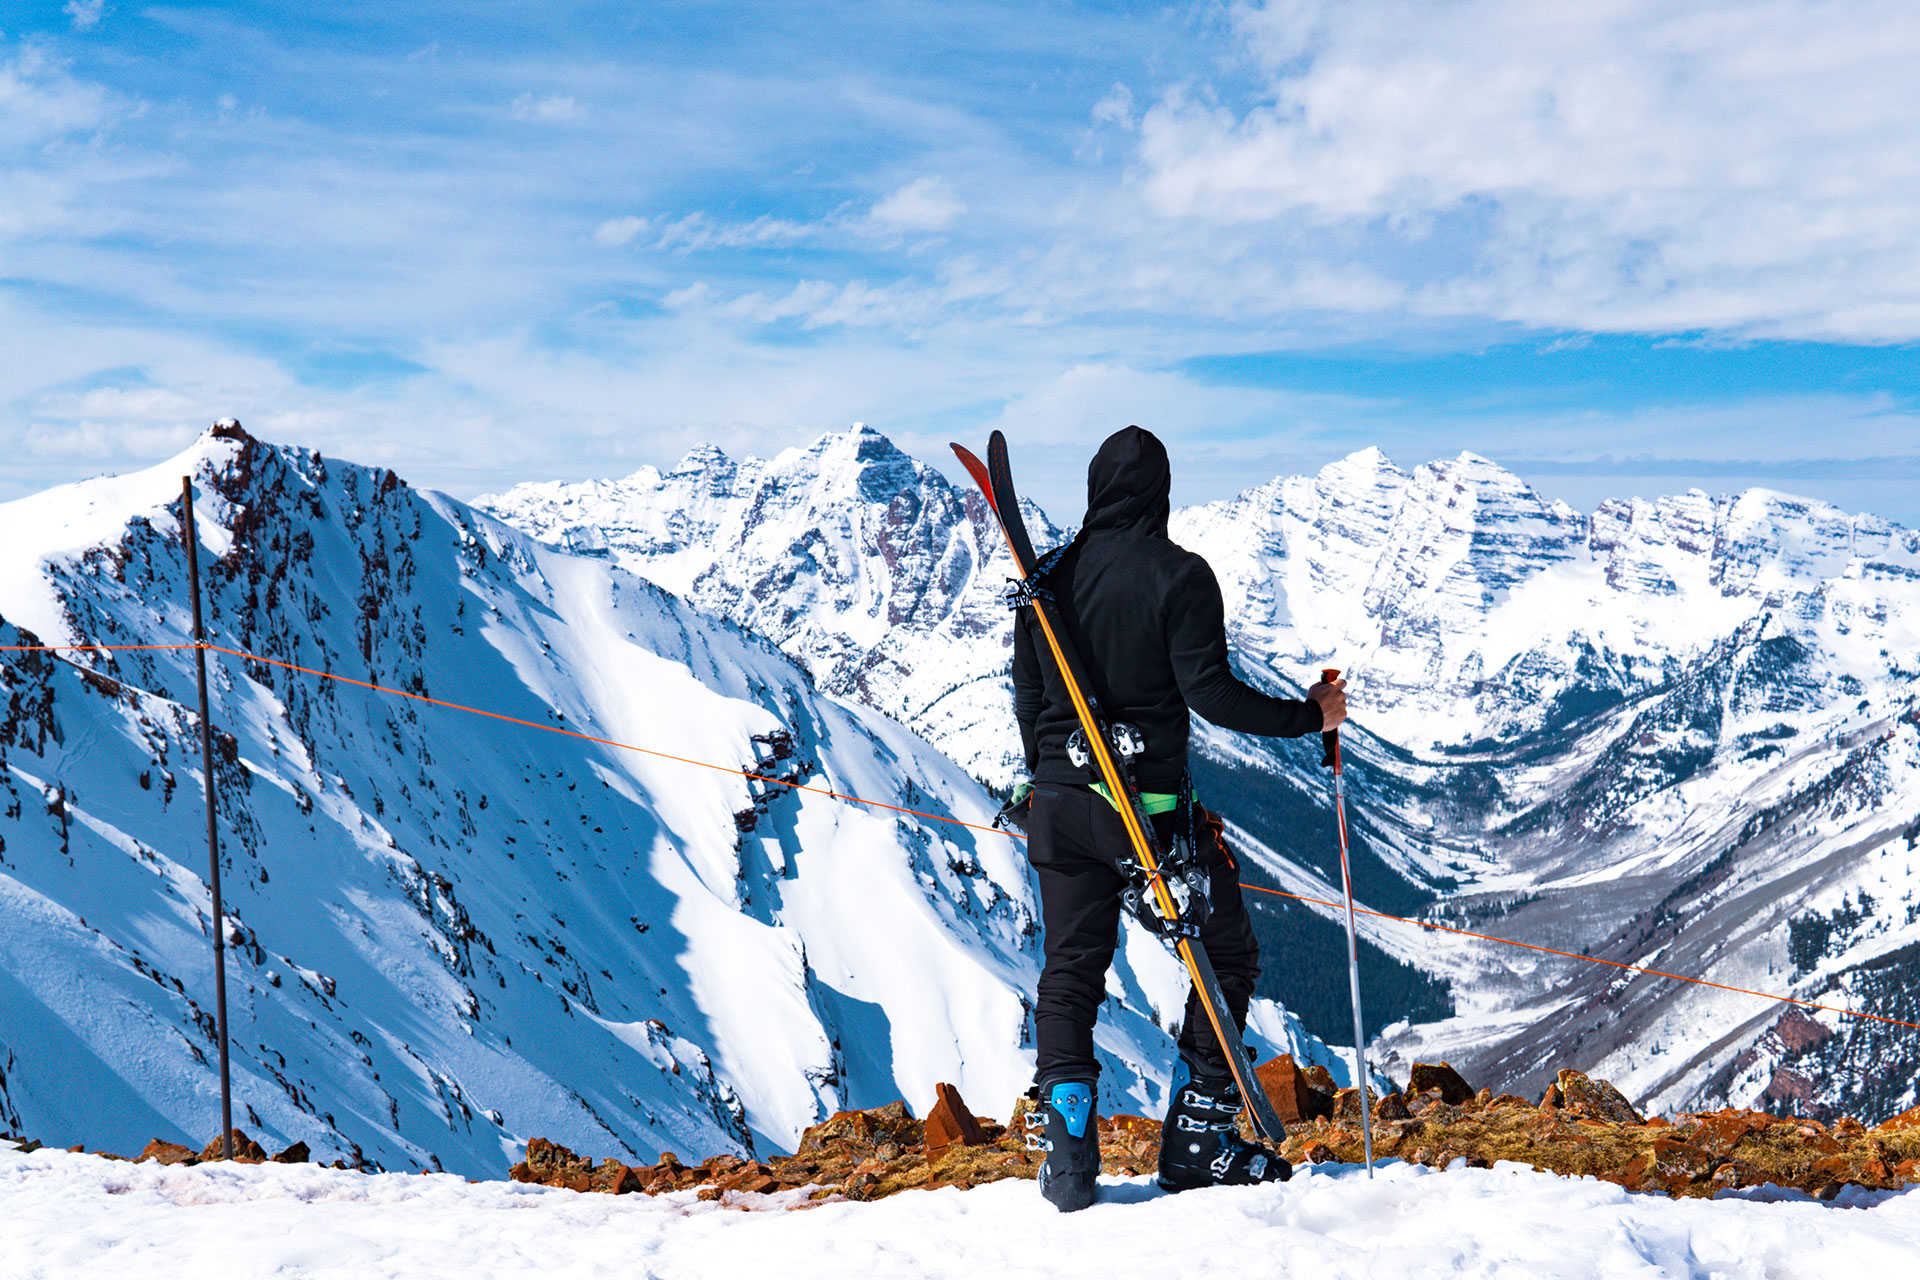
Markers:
851,555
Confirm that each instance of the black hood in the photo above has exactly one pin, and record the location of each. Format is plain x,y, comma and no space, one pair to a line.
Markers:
1128,483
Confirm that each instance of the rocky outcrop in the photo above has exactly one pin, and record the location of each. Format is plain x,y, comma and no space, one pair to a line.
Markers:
1585,1127
1581,1127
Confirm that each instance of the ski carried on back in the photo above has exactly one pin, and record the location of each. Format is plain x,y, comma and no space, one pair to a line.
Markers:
995,479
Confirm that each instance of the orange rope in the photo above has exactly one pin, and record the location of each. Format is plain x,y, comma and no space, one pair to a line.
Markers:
608,742
958,822
1574,955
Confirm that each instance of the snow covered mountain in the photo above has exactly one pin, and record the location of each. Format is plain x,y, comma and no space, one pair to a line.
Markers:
1677,733
450,933
867,566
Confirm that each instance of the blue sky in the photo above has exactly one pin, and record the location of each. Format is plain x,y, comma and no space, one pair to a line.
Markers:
1619,246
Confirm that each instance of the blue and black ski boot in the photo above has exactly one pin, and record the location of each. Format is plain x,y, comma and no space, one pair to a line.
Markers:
1063,1125
1200,1145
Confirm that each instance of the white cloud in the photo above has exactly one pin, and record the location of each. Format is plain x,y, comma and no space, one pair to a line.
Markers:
697,231
86,14
618,231
816,304
553,109
1116,108
40,101
145,404
925,204
1630,164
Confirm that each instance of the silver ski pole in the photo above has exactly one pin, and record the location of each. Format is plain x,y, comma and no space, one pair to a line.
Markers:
1331,740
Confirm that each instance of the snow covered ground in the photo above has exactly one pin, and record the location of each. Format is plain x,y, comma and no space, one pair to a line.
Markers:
73,1215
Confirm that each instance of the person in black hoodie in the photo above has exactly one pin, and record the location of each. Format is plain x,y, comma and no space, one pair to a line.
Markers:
1147,617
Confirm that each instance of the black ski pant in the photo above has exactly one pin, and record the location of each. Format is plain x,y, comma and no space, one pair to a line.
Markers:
1075,840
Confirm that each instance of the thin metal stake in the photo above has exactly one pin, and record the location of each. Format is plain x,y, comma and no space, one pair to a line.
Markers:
213,831
1331,739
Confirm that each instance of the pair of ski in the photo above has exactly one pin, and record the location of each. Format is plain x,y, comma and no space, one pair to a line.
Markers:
995,479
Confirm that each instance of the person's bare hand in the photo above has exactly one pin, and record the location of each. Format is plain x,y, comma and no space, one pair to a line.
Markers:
1333,703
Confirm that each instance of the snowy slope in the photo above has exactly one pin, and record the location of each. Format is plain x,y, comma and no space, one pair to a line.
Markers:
450,933
1581,730
73,1215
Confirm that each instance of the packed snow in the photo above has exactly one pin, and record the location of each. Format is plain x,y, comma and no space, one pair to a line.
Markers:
80,1216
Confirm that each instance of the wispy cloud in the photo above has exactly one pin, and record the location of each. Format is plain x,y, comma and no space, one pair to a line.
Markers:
557,108
618,231
925,204
86,14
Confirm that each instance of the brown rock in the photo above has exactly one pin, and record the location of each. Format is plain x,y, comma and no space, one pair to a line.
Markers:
1734,1173
1319,1153
1287,1088
1677,1160
1721,1131
550,1163
1595,1099
860,1132
295,1154
1634,1176
245,1150
164,1152
1908,1119
951,1123
1391,1107
615,1178
1441,1076
750,1177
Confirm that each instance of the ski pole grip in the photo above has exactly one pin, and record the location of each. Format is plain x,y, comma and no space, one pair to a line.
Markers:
1330,739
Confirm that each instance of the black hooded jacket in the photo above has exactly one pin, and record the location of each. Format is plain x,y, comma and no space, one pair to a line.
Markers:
1146,617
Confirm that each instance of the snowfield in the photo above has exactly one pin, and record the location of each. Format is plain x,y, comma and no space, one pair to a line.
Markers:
76,1215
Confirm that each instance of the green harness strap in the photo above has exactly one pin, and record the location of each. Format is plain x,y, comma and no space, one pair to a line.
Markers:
1154,802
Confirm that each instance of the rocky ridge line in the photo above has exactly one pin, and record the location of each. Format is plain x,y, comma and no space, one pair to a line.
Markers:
1581,1127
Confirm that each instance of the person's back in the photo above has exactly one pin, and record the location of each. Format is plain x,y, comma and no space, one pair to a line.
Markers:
1146,617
